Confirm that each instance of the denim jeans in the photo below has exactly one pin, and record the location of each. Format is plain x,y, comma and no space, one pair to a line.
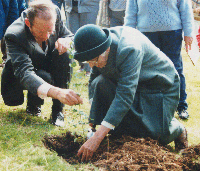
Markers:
116,18
170,42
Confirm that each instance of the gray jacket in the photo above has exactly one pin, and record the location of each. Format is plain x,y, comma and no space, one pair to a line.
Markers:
25,55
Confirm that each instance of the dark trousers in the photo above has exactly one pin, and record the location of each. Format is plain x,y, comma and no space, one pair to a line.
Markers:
170,42
54,70
116,17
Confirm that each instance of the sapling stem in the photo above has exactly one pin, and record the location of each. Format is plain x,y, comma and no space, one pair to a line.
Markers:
108,146
81,118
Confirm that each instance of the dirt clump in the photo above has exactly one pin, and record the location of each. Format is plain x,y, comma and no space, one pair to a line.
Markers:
126,153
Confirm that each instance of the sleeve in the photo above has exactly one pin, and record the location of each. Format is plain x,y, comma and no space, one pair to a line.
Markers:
22,65
126,87
130,18
43,90
187,19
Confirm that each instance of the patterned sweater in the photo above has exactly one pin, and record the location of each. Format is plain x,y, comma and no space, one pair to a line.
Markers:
160,15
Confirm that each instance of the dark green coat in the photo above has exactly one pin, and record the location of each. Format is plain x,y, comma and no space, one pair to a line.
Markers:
138,90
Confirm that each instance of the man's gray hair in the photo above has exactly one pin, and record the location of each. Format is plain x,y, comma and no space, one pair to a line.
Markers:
43,9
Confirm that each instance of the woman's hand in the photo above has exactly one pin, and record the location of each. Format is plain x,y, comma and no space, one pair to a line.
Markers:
91,145
188,42
88,148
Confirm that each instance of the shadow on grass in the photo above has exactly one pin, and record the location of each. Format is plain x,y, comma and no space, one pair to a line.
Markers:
20,117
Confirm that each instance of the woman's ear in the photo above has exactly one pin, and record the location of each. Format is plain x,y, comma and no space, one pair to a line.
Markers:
27,22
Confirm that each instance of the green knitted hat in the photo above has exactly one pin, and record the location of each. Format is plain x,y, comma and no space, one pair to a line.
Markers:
90,41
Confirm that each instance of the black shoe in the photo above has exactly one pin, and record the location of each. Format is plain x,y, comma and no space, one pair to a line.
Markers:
33,110
58,119
181,142
183,114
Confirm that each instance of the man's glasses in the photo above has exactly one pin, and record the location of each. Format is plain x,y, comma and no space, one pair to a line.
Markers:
95,60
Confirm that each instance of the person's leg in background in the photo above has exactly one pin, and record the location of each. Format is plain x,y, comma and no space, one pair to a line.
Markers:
116,18
170,42
75,20
171,46
73,24
154,37
89,18
72,20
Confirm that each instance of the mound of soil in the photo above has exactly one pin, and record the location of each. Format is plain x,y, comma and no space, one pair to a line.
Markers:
126,153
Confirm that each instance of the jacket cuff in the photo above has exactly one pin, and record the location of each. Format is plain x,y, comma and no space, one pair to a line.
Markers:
108,125
43,90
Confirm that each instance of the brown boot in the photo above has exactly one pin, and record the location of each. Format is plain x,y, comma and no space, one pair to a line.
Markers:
181,142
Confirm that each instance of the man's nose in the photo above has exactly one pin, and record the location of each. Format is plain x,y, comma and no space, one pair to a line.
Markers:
47,35
91,64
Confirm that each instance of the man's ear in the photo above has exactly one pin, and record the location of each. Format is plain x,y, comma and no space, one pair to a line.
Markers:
107,50
27,22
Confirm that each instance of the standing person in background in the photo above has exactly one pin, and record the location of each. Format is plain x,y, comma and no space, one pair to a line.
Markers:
79,13
59,3
21,6
163,22
2,20
111,13
116,12
9,13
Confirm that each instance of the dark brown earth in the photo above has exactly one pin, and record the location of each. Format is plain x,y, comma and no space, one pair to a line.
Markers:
127,153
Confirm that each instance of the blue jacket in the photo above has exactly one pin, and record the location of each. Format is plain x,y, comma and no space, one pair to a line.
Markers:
9,13
21,6
2,20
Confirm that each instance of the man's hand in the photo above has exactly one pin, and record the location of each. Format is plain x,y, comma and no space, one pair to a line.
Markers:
65,96
196,10
188,42
62,44
92,144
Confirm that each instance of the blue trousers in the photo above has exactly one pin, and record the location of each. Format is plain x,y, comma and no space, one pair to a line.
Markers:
170,42
116,18
75,20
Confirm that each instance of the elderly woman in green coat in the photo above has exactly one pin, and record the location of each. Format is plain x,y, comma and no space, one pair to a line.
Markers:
133,87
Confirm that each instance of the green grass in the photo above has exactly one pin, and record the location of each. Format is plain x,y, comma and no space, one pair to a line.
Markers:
21,146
